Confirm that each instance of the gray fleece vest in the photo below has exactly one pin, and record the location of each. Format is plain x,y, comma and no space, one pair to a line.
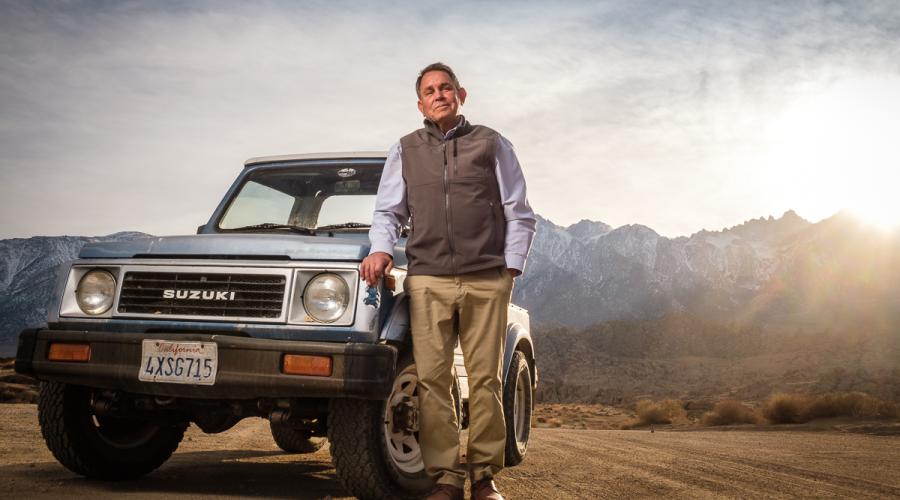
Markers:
457,219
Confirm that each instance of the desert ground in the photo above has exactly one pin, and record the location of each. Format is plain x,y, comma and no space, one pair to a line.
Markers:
830,459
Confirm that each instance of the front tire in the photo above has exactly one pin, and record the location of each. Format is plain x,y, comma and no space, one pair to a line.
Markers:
517,408
374,444
102,447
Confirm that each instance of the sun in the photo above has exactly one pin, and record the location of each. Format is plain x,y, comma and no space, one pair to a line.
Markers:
837,147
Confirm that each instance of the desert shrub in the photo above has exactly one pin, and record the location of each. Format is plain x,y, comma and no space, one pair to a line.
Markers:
785,408
728,412
798,408
853,404
15,378
665,411
889,410
849,404
18,394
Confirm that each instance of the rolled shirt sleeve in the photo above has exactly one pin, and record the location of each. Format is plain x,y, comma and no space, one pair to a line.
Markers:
391,211
520,220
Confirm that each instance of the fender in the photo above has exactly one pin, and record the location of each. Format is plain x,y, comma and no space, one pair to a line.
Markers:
518,337
395,329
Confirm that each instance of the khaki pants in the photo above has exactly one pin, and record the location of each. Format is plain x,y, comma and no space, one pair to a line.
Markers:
480,301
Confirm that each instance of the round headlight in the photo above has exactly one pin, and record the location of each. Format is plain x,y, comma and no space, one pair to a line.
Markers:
326,297
96,292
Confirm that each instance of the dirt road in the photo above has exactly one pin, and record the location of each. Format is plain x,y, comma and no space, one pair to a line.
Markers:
562,464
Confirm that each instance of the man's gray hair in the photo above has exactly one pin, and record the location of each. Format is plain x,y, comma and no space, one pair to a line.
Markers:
438,66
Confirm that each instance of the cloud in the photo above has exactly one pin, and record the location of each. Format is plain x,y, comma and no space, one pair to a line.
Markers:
139,115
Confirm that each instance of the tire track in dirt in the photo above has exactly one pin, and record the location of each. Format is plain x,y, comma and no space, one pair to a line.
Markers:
561,464
695,462
726,475
790,474
621,468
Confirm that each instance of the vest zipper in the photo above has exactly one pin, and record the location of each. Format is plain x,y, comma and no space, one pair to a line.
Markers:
447,209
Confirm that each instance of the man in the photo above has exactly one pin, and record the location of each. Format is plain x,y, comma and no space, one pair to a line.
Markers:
461,188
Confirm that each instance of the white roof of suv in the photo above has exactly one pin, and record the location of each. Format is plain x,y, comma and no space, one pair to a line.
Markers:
317,156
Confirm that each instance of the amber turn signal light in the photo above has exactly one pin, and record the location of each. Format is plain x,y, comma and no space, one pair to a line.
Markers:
69,352
299,364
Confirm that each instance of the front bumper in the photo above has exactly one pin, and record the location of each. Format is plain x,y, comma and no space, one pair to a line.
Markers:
248,367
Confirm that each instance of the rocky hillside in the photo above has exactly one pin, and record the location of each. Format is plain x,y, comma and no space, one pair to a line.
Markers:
769,305
28,272
765,271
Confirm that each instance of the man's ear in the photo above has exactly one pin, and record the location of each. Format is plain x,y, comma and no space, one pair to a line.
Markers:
462,95
421,107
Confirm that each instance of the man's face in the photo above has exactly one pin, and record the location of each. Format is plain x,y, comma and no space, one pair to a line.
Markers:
439,100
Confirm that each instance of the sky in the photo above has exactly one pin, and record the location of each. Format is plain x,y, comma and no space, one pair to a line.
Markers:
680,116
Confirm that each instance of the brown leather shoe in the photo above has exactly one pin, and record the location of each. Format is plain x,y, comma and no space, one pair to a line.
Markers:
485,490
443,491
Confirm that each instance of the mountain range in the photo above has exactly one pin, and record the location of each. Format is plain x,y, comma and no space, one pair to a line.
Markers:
28,272
773,304
623,312
773,271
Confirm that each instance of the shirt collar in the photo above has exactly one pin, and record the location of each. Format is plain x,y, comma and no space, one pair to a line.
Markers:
450,133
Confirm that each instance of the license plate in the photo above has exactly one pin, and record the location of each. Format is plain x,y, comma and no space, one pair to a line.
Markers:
179,362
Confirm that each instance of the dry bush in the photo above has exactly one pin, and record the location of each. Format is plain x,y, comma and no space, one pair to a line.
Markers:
18,394
799,408
666,411
784,408
554,422
849,404
889,410
545,421
728,412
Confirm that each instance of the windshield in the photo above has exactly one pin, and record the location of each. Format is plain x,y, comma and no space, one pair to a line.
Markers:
304,197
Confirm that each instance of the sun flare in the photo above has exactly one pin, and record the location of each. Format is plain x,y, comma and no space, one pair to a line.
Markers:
837,148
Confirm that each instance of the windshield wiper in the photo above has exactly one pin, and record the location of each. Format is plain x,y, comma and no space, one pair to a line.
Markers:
272,225
346,225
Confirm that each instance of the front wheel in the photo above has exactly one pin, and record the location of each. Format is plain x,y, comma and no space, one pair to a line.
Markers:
100,446
517,406
375,444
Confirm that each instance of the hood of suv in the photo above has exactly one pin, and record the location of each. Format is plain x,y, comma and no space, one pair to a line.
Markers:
244,246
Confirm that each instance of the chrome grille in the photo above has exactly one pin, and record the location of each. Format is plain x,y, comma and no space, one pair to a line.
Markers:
202,294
